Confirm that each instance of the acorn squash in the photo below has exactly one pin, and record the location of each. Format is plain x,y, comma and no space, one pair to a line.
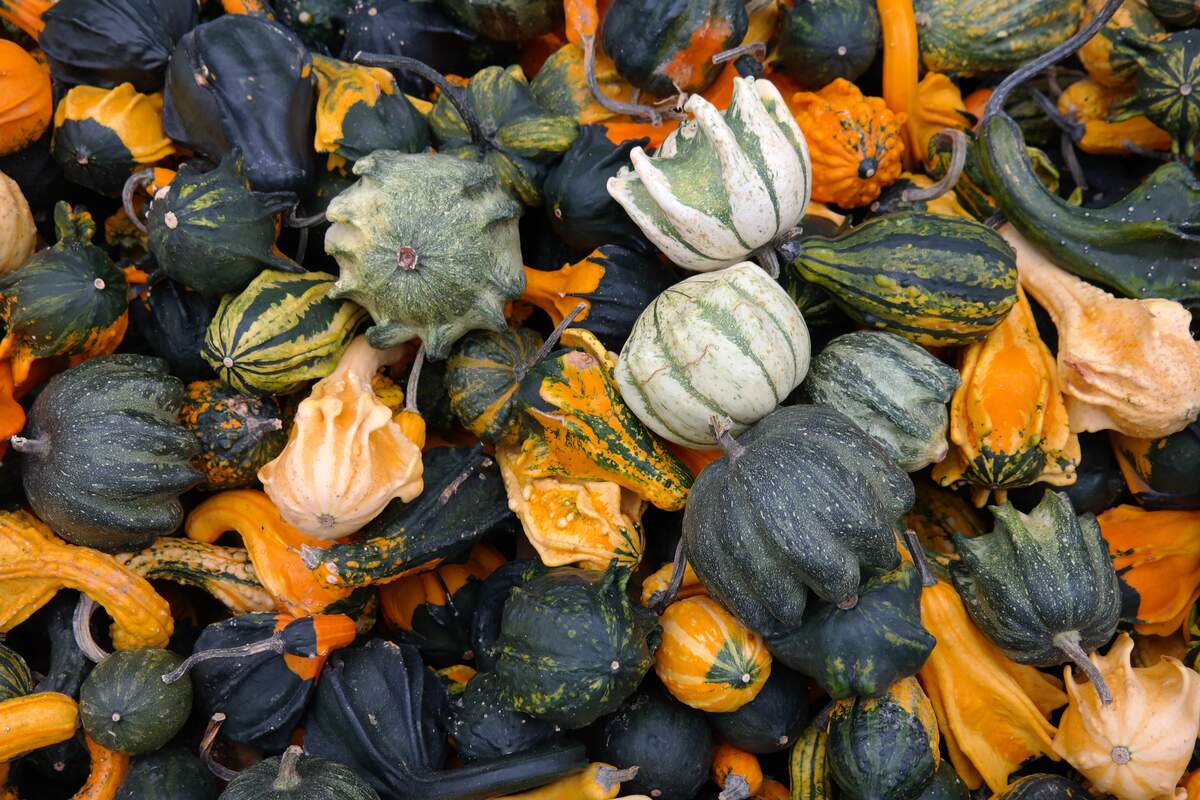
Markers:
506,20
237,433
482,377
1162,473
1168,70
27,107
981,36
173,320
361,110
126,706
483,725
819,42
173,772
1106,62
1044,787
295,776
1179,13
773,719
485,628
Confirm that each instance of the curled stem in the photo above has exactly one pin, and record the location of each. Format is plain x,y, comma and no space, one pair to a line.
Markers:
81,626
635,110
133,183
954,170
206,747
272,644
552,339
293,221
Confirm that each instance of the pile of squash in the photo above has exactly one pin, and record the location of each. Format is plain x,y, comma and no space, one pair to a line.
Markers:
458,399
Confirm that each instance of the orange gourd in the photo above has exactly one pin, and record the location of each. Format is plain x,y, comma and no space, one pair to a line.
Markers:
12,414
398,600
1158,554
26,15
109,768
26,105
658,581
34,721
737,772
1090,103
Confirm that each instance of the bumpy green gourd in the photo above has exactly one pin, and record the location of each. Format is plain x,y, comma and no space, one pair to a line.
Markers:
1168,86
428,245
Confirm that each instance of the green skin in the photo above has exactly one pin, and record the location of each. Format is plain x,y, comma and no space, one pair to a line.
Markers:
507,20
818,43
483,725
15,680
174,772
475,390
1168,76
973,37
1044,787
124,704
879,751
946,785
294,776
772,720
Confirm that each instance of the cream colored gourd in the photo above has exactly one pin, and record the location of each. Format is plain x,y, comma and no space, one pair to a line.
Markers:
18,235
1125,365
1138,747
346,457
722,185
729,343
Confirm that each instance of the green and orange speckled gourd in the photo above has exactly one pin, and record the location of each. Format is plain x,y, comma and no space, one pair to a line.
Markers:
428,244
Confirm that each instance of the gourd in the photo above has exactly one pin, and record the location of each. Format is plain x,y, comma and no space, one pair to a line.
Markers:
107,775
101,136
482,725
1089,104
707,659
238,433
1161,473
282,331
700,349
28,106
126,706
560,86
517,139
757,553
1157,556
854,142
945,785
818,43
34,721
667,48
15,680
1180,13
226,573
295,776
932,279
320,24
361,110
669,743
114,42
598,782
614,283
482,377
1008,421
212,233
17,230
1164,90
891,388
1102,56
772,720
1125,365
173,321
573,680
1012,582
506,20
736,772
213,117
885,746
757,178
808,766
485,628
657,584
68,299
428,245
346,458
103,458
863,650
1044,787
173,771
1137,746
978,37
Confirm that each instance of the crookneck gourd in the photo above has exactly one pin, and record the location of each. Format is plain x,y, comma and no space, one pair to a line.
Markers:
1137,746
226,573
361,110
1125,365
1014,579
753,162
35,721
1157,555
700,349
428,244
1008,422
68,299
758,553
104,456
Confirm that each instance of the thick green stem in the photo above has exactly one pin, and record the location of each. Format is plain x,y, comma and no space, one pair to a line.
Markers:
288,779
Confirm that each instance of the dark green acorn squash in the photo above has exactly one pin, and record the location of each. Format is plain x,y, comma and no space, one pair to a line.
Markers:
104,457
483,725
68,299
945,785
884,748
973,37
245,83
506,20
808,766
578,205
1161,473
483,374
212,233
519,139
401,752
772,720
1166,90
237,433
668,742
295,776
125,705
485,627
109,42
320,24
361,110
865,649
15,680
1041,586
173,320
933,279
821,41
172,773
36,172
665,47
280,332
802,499
572,647
463,499
1180,13
1044,787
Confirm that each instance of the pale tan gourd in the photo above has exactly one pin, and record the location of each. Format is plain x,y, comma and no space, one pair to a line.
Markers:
1138,747
1125,365
346,457
18,235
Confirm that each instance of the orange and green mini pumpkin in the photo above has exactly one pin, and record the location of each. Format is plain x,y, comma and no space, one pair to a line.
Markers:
26,106
238,433
1106,63
361,110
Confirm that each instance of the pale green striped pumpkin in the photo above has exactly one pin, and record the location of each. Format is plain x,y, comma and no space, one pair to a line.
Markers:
729,343
721,186
280,332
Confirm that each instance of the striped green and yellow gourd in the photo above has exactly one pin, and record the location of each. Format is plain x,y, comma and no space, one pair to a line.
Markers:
972,37
809,766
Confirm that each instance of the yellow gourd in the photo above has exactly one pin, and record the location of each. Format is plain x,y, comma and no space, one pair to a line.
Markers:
597,782
1089,103
1125,365
399,600
1158,554
34,721
737,772
660,579
1138,747
18,235
346,457
109,768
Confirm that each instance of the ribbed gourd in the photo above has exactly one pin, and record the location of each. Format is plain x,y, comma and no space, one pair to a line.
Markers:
17,230
1168,70
361,110
701,349
428,244
280,332
818,42
891,388
238,433
982,36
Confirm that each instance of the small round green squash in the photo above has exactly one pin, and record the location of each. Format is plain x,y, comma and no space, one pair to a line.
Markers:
1044,787
295,776
773,719
819,42
172,773
125,705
